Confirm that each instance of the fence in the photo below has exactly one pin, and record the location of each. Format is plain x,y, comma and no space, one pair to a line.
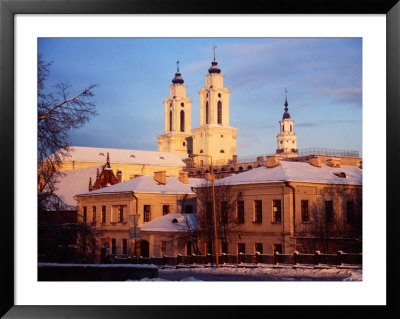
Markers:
338,259
303,152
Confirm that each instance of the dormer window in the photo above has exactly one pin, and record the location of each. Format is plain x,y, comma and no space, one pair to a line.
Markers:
162,157
101,154
133,156
340,174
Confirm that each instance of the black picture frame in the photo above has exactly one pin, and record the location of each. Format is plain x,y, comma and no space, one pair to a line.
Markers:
8,9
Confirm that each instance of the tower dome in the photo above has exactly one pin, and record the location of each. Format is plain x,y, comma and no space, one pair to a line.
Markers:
214,65
178,77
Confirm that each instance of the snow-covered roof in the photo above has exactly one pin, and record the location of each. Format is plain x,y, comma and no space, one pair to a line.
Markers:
74,181
147,184
296,172
171,223
95,154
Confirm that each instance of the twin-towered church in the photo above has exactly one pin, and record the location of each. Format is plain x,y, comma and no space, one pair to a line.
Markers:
214,138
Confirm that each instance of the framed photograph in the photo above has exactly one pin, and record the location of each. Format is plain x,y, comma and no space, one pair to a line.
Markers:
371,29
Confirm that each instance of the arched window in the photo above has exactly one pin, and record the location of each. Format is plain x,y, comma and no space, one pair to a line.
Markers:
222,151
291,130
207,112
219,112
182,121
170,120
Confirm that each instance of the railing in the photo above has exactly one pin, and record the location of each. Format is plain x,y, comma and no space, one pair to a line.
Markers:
295,259
327,151
303,152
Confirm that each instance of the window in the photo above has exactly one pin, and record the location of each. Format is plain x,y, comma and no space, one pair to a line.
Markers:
93,214
209,212
240,212
219,94
329,211
241,248
170,120
305,214
224,212
147,213
182,104
113,246
163,247
219,112
165,210
124,246
257,211
188,248
103,214
184,143
209,247
291,129
188,209
258,247
278,248
182,121
276,211
350,212
222,151
224,247
207,112
121,213
84,215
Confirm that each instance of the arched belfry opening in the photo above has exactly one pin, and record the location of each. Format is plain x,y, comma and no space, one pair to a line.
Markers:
170,121
219,112
207,111
182,121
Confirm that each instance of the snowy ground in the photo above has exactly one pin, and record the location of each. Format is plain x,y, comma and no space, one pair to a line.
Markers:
257,273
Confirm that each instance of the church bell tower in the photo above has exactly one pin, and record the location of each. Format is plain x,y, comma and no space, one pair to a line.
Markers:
287,139
214,138
177,137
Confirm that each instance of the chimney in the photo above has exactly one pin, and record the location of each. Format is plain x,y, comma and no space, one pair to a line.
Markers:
183,177
208,177
315,161
119,176
333,162
160,177
272,161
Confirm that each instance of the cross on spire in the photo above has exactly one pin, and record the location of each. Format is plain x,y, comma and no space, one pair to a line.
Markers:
177,65
214,47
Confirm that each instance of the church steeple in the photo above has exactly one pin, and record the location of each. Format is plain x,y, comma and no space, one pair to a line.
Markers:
215,137
177,118
287,139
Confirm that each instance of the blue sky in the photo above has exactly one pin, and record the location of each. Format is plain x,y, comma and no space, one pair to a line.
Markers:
323,77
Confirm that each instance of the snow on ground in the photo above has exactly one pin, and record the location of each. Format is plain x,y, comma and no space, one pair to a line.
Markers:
258,273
